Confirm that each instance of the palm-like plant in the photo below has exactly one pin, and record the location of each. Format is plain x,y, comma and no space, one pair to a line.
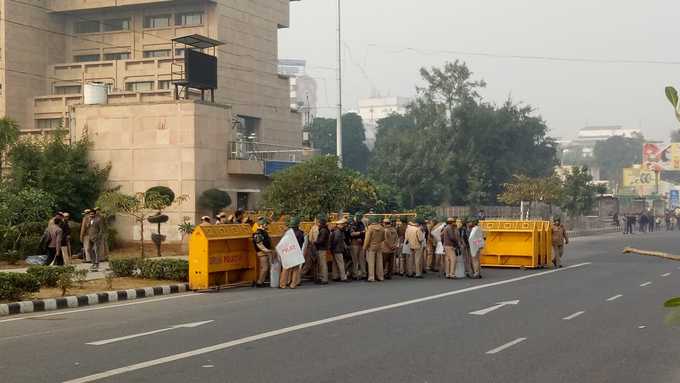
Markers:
9,134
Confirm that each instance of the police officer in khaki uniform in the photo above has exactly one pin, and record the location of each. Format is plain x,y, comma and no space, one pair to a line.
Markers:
389,247
559,239
375,235
264,251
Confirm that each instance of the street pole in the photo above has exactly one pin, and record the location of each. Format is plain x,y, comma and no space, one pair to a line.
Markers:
338,129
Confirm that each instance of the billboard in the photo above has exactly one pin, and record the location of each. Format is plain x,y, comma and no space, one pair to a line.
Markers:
660,157
201,69
636,177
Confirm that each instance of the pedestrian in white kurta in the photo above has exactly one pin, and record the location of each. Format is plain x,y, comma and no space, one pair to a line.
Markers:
477,243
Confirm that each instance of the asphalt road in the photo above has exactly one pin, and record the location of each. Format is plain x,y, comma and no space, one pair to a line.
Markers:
589,322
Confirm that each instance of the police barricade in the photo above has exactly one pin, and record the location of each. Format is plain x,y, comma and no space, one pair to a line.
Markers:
516,244
221,256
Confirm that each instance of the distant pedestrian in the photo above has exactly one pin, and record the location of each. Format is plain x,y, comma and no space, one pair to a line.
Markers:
95,233
53,239
65,238
477,244
401,256
84,238
264,251
559,240
464,246
481,215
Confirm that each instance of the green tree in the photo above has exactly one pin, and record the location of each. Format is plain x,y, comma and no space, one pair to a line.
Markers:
617,153
9,134
63,169
579,195
214,200
318,186
355,153
522,188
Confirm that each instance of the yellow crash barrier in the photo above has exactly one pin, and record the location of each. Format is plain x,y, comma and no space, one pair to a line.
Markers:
517,244
221,256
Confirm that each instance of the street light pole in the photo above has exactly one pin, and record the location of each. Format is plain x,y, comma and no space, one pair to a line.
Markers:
338,129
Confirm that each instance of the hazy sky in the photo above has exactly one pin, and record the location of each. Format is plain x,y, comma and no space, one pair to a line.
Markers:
387,41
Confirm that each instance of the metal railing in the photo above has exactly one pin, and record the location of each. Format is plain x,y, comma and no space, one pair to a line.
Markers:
258,151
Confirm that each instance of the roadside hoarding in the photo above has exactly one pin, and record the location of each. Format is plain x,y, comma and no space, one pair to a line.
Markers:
636,177
660,157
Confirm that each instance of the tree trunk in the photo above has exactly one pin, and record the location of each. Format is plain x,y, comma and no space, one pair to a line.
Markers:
141,241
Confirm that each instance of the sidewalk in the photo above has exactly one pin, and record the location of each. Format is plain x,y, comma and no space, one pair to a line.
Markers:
91,275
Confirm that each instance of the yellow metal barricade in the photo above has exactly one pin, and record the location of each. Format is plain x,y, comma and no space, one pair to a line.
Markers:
515,244
221,256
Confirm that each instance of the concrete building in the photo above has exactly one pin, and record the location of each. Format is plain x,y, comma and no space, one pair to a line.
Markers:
373,109
303,88
589,136
52,49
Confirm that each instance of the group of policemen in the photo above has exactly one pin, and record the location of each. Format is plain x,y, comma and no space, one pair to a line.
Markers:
57,239
373,249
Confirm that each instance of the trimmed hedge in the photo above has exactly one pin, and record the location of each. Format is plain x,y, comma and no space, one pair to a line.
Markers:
123,267
171,269
15,286
48,276
168,269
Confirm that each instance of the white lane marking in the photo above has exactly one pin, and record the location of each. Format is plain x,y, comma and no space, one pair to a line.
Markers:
122,338
642,327
495,307
574,315
645,284
302,326
615,297
104,307
505,346
207,366
665,275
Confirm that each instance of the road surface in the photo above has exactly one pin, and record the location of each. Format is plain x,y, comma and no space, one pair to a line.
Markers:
600,319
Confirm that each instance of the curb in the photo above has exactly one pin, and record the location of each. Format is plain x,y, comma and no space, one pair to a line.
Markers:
51,304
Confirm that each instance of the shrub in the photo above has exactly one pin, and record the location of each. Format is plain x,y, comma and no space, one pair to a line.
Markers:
48,276
66,280
170,269
123,267
15,286
10,256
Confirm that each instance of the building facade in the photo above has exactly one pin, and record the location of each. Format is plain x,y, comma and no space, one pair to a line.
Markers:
51,49
303,89
372,110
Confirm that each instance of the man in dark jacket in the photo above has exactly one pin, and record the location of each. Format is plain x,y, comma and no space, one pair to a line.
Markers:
53,239
451,243
321,245
338,246
358,234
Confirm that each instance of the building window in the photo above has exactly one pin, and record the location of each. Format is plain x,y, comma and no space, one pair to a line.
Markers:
116,25
49,123
159,21
67,89
157,53
164,84
89,26
117,56
189,18
86,58
139,86
0,89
